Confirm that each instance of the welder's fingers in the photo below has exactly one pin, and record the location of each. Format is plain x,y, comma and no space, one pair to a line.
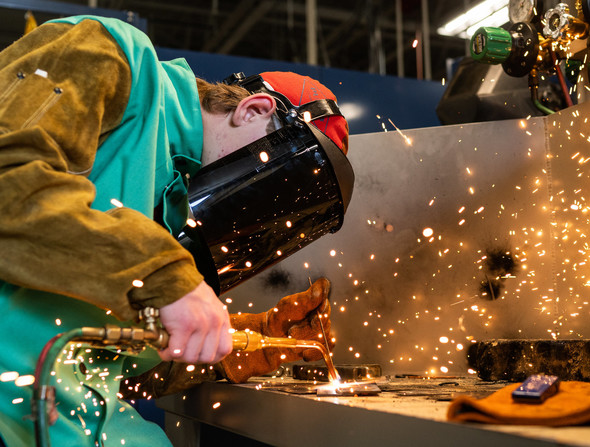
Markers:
239,366
314,327
212,350
242,321
188,349
176,343
319,319
295,308
197,322
311,355
322,320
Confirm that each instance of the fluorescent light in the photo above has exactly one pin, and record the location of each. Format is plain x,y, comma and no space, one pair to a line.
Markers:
486,13
499,18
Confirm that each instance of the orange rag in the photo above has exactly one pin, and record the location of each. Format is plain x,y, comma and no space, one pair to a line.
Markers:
570,406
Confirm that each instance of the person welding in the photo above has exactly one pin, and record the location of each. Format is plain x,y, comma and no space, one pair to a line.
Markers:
118,172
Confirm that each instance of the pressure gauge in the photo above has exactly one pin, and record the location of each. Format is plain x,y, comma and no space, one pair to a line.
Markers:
521,10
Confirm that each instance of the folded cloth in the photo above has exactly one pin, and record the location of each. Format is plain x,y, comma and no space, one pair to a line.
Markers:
570,406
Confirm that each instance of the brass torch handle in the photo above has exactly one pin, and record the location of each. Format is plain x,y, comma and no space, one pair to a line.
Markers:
241,340
252,341
156,336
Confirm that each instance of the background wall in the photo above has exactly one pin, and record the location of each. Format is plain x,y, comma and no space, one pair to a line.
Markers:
470,232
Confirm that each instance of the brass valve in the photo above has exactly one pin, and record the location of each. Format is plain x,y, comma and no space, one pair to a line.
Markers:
561,26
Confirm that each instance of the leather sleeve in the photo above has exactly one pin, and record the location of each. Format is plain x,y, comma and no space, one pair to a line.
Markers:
63,88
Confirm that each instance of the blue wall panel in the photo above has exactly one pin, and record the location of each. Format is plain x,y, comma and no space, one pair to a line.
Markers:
409,103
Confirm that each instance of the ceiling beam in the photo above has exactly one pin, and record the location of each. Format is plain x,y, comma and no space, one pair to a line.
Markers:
145,5
251,19
242,10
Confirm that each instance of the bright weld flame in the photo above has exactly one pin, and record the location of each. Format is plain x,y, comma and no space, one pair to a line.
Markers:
405,137
216,405
264,156
306,116
191,223
334,385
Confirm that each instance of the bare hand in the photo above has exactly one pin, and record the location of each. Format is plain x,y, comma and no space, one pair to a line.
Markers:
198,325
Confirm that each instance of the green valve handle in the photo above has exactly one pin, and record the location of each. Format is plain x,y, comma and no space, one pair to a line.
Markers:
491,45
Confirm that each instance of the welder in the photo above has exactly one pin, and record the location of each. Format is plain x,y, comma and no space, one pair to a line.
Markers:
100,143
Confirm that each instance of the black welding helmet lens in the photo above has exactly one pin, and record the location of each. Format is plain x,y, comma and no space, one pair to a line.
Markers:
265,201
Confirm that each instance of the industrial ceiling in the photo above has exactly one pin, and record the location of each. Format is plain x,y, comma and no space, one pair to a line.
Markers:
348,30
374,36
358,35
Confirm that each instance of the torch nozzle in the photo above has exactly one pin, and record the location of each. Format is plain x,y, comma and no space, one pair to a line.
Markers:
253,341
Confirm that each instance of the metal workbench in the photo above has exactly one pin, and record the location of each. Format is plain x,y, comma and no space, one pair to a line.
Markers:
410,413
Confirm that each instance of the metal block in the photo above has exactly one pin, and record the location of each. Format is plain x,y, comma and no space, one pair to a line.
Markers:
515,360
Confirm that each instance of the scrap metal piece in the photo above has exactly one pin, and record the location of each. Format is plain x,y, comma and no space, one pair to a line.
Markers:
515,360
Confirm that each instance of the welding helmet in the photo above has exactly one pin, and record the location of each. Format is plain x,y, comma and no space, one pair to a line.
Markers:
267,200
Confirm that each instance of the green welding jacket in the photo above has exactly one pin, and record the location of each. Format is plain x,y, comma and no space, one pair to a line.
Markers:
95,133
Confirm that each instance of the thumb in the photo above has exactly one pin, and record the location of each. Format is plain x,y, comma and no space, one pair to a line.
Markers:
305,302
295,308
318,298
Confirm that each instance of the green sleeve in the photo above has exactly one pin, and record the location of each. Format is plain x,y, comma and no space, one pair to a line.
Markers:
63,88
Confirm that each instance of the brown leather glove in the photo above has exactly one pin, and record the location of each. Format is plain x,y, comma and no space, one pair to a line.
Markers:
295,316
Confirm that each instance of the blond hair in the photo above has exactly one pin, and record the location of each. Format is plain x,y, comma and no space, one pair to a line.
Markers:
220,98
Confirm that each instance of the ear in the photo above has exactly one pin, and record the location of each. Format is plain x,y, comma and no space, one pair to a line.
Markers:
254,107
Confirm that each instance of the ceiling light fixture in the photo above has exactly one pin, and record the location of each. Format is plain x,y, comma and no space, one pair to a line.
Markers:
486,13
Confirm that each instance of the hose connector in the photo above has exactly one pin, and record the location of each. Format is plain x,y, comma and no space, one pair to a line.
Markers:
133,337
156,335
